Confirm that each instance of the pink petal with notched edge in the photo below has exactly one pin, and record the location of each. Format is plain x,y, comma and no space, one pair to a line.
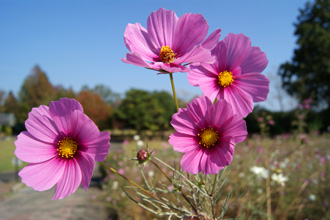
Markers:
255,63
43,176
190,31
88,136
41,125
196,55
137,40
198,72
226,148
234,127
241,101
86,164
182,142
83,129
212,40
70,179
222,112
182,123
255,84
136,59
99,147
31,150
210,87
190,161
220,52
212,161
161,25
61,112
197,111
194,75
238,50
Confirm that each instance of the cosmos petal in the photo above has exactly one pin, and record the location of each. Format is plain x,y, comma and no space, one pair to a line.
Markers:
183,143
43,176
136,59
238,49
32,150
87,165
256,62
196,55
40,124
212,40
137,40
70,179
190,31
61,112
182,123
241,101
161,25
190,161
260,88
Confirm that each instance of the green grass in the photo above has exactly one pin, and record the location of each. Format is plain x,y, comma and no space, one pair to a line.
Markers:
7,149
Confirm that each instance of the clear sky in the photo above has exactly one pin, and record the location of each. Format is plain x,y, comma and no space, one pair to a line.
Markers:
80,42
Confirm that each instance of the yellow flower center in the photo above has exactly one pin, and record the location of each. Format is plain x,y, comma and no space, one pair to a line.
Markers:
225,78
208,137
167,55
67,147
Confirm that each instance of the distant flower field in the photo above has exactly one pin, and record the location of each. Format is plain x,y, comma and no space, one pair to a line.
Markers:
289,173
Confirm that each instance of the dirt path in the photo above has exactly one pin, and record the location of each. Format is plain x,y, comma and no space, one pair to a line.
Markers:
28,204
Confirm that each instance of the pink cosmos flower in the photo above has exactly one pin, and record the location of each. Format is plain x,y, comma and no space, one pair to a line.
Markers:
207,135
169,41
61,144
235,76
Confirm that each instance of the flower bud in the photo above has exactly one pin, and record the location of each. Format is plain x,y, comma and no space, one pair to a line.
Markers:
142,155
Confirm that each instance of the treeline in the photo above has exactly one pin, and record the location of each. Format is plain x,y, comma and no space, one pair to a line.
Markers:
296,121
143,110
139,109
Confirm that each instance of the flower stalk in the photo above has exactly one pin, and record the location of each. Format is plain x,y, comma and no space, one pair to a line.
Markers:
169,179
174,94
128,180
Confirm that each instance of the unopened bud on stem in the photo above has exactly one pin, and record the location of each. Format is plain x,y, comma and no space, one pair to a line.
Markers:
143,156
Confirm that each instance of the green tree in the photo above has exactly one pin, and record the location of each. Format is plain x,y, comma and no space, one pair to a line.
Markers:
62,92
141,111
11,104
308,73
2,96
36,89
166,102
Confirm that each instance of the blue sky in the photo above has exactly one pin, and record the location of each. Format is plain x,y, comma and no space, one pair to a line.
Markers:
80,42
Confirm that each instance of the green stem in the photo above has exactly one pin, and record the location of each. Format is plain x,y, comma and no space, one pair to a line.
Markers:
174,94
128,180
169,179
160,169
214,183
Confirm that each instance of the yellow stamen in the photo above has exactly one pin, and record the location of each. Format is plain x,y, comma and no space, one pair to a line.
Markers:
208,137
67,147
167,55
225,78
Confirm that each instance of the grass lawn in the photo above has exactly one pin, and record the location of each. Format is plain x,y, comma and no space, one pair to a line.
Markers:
7,149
